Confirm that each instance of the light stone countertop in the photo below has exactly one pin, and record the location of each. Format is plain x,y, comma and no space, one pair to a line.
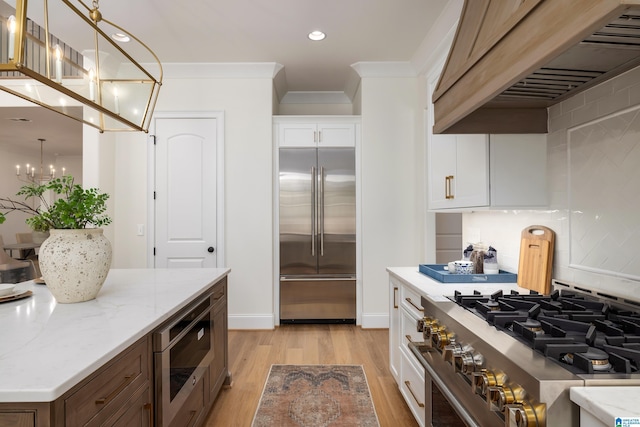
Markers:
46,347
438,291
608,403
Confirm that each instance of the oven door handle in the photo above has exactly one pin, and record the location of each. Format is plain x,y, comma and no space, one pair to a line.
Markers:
462,412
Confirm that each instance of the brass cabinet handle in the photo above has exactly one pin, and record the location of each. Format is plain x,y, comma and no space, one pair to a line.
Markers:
127,380
447,187
415,306
408,384
408,337
395,295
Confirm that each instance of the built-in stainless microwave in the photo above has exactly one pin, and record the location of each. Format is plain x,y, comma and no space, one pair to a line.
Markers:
183,348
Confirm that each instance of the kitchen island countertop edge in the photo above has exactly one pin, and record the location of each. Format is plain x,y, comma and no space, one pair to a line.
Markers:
46,347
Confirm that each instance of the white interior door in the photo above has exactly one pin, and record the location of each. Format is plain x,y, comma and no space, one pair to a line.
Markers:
185,195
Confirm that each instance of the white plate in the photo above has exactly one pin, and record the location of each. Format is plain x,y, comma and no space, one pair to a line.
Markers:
6,289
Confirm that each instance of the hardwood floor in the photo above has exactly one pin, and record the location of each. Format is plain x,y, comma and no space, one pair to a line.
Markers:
251,354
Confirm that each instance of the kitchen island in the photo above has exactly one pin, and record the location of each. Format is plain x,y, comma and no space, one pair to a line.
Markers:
47,349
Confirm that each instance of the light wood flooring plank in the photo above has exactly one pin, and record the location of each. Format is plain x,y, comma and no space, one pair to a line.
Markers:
251,354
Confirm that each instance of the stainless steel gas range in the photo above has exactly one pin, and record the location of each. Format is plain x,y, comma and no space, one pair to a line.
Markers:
510,359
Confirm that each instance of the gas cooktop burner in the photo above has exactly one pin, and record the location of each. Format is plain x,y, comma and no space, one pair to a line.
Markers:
599,359
584,334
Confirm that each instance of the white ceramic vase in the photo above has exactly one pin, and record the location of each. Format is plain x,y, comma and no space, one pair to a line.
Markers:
75,263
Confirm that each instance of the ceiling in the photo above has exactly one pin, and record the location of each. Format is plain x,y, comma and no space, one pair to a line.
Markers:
215,31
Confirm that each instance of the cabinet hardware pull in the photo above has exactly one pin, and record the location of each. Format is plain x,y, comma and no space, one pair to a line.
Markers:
148,407
319,136
415,306
127,380
408,384
447,187
314,209
321,209
395,297
193,414
408,337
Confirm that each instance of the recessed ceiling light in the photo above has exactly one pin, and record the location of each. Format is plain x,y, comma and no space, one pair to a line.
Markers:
119,37
317,35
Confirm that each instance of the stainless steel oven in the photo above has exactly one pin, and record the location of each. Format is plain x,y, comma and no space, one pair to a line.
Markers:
510,359
183,349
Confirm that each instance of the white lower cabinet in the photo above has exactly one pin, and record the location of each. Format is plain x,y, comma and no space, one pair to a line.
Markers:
412,386
405,310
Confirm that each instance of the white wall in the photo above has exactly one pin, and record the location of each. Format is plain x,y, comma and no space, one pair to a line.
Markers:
502,228
392,186
247,105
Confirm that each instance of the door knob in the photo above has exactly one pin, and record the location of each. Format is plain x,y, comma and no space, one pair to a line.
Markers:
210,249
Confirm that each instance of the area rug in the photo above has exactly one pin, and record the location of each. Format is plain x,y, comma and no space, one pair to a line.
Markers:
316,396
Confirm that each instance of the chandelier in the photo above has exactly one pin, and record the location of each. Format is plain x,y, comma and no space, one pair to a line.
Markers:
30,176
64,56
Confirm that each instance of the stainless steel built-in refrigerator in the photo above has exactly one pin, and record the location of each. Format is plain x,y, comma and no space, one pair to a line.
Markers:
317,234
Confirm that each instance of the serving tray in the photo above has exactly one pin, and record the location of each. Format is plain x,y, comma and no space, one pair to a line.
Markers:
437,272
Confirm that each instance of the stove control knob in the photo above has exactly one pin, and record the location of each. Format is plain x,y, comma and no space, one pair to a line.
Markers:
468,362
442,338
426,320
499,397
525,414
484,379
430,330
450,351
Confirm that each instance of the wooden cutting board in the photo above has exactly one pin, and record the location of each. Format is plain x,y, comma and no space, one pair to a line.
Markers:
536,258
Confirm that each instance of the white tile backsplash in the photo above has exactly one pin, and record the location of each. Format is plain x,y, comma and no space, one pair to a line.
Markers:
502,229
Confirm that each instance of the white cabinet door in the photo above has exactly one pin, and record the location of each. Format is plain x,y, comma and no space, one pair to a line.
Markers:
518,170
458,171
297,135
336,135
471,182
316,135
442,165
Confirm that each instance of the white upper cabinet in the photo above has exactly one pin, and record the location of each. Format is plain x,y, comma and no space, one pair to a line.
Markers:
458,171
477,171
315,132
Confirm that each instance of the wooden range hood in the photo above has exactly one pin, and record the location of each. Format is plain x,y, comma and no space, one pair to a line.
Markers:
512,59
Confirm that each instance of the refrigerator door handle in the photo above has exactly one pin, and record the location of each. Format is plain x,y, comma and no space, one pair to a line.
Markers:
313,210
321,207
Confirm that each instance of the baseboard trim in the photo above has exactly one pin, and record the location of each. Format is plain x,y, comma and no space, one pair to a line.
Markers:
251,321
375,321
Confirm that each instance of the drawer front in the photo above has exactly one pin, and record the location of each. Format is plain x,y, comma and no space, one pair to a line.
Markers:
17,419
189,414
102,395
412,388
409,329
411,302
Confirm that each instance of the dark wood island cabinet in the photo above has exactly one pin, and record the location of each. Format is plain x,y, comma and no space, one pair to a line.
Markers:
123,391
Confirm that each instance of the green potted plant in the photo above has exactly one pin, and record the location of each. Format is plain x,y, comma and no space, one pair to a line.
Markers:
73,208
76,258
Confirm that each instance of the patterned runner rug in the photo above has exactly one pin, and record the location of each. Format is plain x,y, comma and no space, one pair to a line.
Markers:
316,396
